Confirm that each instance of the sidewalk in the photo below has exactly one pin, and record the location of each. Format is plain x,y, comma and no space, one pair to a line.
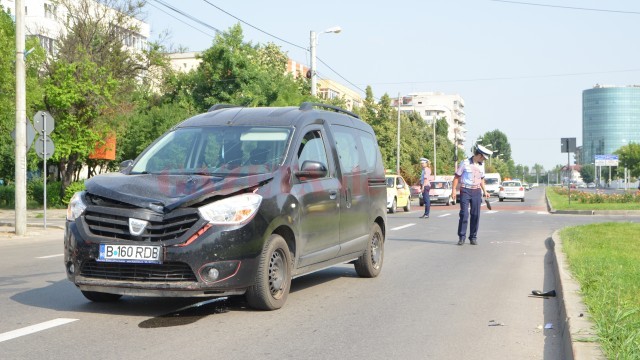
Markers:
55,219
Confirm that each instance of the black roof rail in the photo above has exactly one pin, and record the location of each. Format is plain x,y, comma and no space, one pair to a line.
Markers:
221,106
309,105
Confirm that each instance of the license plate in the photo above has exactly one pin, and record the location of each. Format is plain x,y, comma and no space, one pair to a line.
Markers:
434,198
141,254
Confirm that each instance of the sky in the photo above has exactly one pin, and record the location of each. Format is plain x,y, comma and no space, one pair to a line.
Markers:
520,66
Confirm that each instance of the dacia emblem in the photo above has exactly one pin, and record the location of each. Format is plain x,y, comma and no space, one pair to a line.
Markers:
137,226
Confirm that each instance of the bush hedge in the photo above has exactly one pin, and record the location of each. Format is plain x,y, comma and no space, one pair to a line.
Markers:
35,193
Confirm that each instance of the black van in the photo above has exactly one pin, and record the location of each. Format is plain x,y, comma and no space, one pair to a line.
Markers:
235,201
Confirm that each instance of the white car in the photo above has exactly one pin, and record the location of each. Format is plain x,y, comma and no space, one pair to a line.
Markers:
511,189
441,192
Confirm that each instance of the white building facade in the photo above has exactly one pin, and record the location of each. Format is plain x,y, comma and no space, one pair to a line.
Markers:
436,105
44,19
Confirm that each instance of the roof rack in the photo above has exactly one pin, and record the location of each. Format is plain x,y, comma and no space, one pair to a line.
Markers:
309,105
221,106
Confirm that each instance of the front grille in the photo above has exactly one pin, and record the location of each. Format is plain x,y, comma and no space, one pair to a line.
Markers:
167,272
115,224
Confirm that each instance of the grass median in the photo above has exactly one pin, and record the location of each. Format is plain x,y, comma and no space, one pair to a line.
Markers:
605,260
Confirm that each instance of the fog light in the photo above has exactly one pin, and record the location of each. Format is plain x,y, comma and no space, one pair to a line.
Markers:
218,271
213,274
71,268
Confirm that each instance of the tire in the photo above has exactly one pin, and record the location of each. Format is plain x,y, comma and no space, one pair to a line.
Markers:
273,278
369,264
450,201
522,200
501,199
421,202
394,206
408,207
101,297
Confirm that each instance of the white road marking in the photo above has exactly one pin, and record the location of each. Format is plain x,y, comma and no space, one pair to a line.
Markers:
521,212
491,212
49,256
34,328
402,227
542,213
443,215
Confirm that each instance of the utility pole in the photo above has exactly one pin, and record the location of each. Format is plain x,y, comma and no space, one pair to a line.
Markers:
398,149
21,127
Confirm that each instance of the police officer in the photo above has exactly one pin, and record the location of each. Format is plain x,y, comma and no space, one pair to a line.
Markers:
470,175
425,186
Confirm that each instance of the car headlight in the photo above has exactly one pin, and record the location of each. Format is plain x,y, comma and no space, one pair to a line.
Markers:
231,211
76,206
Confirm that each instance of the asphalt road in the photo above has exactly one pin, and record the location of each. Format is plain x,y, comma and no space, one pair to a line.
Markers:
433,300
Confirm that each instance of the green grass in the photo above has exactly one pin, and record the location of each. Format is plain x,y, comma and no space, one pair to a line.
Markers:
605,260
561,202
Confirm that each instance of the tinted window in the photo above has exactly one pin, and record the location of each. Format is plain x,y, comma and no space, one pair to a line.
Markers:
312,148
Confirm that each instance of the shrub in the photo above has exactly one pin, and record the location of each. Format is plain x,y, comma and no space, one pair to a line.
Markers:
36,187
72,189
7,196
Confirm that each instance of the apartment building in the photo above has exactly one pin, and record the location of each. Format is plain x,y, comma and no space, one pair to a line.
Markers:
436,105
44,19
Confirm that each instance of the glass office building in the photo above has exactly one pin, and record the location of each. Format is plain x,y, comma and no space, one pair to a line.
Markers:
610,119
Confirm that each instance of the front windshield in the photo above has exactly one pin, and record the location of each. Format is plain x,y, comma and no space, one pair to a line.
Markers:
216,150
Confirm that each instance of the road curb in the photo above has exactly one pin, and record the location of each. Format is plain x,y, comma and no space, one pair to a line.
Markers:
578,334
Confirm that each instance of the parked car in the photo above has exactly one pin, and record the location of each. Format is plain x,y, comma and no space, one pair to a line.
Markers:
235,201
511,189
441,191
591,185
398,193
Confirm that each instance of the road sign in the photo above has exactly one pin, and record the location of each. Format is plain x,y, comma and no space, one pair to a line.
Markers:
568,145
40,147
31,134
43,122
606,160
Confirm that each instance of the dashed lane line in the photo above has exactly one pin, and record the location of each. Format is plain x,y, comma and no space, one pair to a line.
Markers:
49,256
402,227
34,328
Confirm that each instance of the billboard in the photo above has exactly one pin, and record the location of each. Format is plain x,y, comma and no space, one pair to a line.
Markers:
606,160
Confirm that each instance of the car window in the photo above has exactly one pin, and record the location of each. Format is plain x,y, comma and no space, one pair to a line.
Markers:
216,150
312,149
389,182
347,148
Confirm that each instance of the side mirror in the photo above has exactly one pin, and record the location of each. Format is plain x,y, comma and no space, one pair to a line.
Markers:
125,165
311,170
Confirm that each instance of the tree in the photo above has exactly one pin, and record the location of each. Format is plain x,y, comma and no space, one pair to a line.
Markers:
233,71
499,143
588,173
91,79
629,157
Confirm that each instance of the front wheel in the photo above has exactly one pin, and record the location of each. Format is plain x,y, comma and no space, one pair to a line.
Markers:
394,206
273,278
369,264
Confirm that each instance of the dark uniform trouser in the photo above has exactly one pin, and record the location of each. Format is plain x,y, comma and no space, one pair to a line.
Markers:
473,197
427,200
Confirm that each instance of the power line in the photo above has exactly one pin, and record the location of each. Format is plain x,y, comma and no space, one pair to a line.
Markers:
568,7
256,28
182,21
190,17
506,78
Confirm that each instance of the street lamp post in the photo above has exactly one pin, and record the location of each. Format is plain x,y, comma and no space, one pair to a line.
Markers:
313,44
435,161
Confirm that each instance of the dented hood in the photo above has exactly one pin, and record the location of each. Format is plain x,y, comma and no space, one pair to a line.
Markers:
152,191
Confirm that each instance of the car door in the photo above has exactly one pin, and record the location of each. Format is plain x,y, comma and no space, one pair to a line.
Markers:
318,200
355,202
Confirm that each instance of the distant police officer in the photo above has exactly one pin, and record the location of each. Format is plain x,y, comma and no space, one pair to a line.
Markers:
425,186
470,175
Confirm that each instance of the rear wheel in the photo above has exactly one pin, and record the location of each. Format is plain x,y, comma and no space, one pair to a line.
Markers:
369,264
273,278
522,200
501,199
101,297
407,208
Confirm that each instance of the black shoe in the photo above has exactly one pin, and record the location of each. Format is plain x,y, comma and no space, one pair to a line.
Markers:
473,242
461,241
